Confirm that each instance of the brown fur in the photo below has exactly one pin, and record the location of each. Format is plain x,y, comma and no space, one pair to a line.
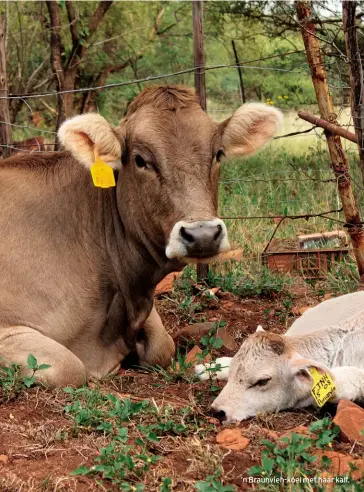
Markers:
79,264
170,97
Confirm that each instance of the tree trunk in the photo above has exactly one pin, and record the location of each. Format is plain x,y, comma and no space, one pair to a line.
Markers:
338,158
5,128
356,76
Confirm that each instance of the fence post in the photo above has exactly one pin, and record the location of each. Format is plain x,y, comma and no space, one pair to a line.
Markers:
5,128
199,63
338,158
241,83
356,76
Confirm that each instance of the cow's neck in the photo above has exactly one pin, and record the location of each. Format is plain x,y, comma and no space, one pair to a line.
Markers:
136,264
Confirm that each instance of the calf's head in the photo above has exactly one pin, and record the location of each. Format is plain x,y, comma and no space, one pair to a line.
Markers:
167,153
266,375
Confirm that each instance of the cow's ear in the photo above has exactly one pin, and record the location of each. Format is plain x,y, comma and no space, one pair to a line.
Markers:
301,369
89,136
249,128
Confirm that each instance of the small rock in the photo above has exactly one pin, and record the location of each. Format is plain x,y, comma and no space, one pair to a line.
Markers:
232,439
167,284
192,358
328,296
227,338
350,418
298,311
271,434
4,458
340,464
196,330
300,429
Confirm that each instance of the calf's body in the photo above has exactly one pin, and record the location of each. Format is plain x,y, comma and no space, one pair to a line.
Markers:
272,372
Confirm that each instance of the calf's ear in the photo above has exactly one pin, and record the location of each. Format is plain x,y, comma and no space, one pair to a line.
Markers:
90,136
249,128
301,369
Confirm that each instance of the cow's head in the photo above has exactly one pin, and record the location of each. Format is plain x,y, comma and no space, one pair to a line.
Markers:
266,375
167,152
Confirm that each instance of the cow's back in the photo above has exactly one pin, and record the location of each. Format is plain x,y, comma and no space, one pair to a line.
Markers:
328,313
48,273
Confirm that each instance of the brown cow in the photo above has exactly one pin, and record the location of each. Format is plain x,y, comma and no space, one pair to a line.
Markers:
79,264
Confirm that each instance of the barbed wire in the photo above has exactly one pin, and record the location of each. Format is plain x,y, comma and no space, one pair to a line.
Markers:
149,79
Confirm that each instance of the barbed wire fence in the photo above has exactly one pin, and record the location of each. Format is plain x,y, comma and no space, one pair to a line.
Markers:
253,203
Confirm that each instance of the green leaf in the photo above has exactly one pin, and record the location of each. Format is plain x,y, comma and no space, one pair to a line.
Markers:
81,470
44,366
28,381
32,362
267,464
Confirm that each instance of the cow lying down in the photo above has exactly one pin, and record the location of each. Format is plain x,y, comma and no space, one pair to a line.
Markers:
272,372
87,233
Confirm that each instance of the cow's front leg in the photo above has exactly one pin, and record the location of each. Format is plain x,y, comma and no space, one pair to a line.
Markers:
17,342
155,347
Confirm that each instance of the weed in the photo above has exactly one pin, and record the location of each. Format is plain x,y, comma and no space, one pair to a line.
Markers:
259,281
12,382
210,343
343,278
119,462
212,483
292,459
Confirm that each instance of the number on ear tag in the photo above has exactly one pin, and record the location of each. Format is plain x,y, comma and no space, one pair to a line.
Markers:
102,174
323,386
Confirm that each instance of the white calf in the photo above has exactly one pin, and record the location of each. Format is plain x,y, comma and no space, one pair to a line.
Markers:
272,372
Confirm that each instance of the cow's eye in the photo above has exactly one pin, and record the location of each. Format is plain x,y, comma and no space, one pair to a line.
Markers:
219,155
140,162
261,382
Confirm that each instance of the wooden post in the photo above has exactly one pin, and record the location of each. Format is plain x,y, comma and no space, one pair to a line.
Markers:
5,129
356,76
338,158
200,85
199,51
241,83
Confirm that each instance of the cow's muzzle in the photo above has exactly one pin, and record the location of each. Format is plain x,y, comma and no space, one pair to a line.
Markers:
198,239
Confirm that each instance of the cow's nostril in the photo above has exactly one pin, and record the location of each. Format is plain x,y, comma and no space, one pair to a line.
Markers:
220,415
218,233
186,236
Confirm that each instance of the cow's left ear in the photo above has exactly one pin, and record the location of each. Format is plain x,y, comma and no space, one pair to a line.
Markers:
249,128
301,367
89,136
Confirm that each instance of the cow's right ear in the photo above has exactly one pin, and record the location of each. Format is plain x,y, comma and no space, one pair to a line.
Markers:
89,136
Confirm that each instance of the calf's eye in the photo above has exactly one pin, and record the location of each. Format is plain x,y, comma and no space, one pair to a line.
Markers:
140,162
261,382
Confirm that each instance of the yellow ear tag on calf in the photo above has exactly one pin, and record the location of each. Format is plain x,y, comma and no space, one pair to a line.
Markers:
323,386
102,174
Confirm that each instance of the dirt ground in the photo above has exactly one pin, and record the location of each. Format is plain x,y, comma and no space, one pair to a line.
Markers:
39,448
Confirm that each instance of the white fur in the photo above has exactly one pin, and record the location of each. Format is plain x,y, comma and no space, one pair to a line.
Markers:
177,249
250,128
337,349
89,135
330,312
207,371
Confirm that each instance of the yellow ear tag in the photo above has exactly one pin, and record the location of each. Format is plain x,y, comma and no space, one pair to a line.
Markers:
102,174
323,386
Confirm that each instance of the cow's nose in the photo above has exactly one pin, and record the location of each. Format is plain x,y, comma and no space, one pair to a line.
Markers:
202,239
219,414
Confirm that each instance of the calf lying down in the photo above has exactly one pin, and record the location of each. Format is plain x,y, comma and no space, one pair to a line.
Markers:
273,372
